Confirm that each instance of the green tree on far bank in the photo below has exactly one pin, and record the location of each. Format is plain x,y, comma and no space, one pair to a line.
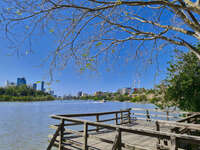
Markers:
23,93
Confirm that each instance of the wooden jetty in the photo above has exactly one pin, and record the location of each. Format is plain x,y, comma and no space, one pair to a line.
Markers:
124,130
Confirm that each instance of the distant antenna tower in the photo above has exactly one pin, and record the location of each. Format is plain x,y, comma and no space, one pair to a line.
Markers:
138,84
134,84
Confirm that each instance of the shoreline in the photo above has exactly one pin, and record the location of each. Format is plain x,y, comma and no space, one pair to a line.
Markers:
26,98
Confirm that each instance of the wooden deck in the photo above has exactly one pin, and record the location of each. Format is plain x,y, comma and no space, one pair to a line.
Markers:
126,133
139,141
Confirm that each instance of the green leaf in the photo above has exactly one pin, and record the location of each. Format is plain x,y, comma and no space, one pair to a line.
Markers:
84,55
126,13
27,52
82,69
38,82
91,59
88,65
51,30
18,12
119,2
99,43
48,83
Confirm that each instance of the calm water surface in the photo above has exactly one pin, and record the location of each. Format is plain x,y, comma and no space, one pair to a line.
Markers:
24,125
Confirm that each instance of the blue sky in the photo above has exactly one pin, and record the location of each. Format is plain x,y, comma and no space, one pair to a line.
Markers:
34,68
122,74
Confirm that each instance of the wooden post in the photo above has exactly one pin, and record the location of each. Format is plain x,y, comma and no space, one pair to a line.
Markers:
173,143
167,117
121,117
53,139
129,116
85,136
97,120
147,115
116,118
158,141
118,140
60,147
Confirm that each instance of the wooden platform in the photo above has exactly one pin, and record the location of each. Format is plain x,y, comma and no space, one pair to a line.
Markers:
140,141
127,132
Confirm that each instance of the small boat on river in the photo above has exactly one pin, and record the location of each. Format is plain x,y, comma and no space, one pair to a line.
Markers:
103,101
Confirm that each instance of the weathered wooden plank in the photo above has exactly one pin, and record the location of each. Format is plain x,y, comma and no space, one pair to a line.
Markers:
116,118
125,118
85,135
191,116
76,144
118,141
97,120
154,115
173,143
131,130
180,125
121,117
159,110
68,124
158,129
74,132
93,114
61,134
106,120
53,138
129,116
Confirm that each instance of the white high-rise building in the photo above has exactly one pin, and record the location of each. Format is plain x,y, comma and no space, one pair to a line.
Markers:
8,83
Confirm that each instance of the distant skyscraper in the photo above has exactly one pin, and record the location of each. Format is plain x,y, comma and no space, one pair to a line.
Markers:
51,92
79,93
34,86
21,81
42,86
8,83
125,91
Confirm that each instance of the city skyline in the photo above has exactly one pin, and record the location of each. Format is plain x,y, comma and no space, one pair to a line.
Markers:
22,81
107,78
91,88
88,91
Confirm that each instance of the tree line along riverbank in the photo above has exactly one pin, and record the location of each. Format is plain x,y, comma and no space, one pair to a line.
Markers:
23,93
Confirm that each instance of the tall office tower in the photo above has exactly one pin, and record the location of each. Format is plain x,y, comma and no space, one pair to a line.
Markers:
42,86
21,81
34,86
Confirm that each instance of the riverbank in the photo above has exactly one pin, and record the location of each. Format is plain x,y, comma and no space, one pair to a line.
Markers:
23,93
142,100
6,98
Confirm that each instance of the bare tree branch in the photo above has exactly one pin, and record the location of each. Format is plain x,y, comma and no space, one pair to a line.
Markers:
87,30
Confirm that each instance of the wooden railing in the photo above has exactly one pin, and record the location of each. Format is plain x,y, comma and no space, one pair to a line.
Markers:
157,114
117,118
181,126
61,139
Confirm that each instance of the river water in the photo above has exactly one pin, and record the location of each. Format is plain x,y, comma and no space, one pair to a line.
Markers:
24,125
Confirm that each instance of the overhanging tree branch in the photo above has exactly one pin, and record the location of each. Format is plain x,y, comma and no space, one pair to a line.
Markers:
94,27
